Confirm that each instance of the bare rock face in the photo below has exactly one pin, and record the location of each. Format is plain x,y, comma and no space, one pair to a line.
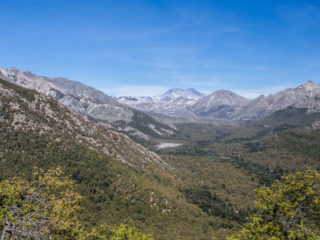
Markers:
304,96
27,110
219,104
225,104
179,103
77,96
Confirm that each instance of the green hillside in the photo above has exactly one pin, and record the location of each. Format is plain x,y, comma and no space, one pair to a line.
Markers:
38,131
200,190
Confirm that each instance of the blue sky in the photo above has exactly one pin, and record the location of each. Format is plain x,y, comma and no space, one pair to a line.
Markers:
145,47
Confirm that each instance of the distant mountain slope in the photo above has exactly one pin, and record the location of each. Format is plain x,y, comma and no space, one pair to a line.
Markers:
304,96
28,110
290,117
89,101
174,102
176,93
226,105
219,104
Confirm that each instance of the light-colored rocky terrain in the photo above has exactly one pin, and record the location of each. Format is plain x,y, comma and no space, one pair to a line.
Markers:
174,102
84,100
304,96
33,111
226,105
175,105
219,104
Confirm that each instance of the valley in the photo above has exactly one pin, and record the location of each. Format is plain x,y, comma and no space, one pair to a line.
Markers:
200,174
160,120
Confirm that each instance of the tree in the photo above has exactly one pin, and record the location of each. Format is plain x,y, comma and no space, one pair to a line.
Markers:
287,210
122,232
45,208
41,209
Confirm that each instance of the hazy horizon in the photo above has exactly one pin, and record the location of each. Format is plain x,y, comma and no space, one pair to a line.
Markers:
161,90
143,48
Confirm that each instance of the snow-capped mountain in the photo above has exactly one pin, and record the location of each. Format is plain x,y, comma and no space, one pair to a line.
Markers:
185,103
225,104
174,102
176,93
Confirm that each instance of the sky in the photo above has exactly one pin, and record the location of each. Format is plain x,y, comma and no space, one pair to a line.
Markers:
143,48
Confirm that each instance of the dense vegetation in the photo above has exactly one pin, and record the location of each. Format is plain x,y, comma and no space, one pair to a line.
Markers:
144,195
45,208
207,191
287,210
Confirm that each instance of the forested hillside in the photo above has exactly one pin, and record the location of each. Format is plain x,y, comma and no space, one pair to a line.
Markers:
200,190
120,181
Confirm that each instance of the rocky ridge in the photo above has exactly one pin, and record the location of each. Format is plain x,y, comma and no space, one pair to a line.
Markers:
87,101
120,113
27,110
305,96
219,104
226,105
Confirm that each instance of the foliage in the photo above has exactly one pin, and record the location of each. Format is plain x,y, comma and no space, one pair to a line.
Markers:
265,175
42,209
220,166
212,204
122,232
28,95
290,117
45,209
288,210
113,192
142,122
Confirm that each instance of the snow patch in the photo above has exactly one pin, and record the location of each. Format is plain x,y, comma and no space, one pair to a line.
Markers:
153,128
166,145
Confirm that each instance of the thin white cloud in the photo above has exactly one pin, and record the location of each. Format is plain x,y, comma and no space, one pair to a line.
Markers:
239,67
196,80
210,83
149,90
144,32
254,93
136,90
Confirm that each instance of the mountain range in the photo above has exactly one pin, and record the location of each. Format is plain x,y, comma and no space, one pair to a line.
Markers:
199,184
92,103
149,118
120,180
304,96
224,104
174,102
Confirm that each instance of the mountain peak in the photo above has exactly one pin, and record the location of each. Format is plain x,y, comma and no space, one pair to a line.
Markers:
12,70
175,93
28,74
225,97
223,92
220,103
309,84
